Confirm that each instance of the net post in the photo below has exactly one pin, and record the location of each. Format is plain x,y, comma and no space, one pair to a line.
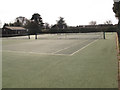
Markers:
28,36
104,34
35,36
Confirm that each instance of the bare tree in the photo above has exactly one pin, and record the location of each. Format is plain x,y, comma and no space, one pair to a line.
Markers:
93,23
108,22
21,20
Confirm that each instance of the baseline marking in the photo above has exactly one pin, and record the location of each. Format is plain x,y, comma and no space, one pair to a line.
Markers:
35,53
53,52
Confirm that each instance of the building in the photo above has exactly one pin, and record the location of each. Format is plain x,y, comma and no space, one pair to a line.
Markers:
13,31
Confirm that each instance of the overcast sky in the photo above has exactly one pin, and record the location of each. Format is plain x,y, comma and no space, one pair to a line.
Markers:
75,12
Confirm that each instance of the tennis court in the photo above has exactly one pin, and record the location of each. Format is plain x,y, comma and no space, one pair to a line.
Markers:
55,44
60,61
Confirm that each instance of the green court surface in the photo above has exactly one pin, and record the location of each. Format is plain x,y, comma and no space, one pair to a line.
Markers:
63,63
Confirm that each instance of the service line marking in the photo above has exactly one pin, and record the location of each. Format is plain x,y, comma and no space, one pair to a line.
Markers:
54,53
34,53
67,48
83,47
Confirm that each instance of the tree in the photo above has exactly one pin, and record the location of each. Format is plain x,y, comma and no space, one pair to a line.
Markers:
17,23
116,10
37,19
108,22
11,24
35,25
59,26
61,23
47,26
5,25
21,20
54,26
93,23
32,27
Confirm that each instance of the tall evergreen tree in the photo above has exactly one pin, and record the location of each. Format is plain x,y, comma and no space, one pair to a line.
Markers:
37,19
35,25
116,10
61,23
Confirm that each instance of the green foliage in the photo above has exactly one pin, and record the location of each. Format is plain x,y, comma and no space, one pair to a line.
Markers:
37,19
47,26
60,24
96,28
17,23
116,9
35,25
22,20
33,28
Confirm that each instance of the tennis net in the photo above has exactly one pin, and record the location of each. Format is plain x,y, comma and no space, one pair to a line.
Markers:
71,36
62,36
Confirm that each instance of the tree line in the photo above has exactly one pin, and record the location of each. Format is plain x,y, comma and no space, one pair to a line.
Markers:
35,26
116,10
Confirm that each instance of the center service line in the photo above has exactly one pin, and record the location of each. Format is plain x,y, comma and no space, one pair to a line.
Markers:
83,47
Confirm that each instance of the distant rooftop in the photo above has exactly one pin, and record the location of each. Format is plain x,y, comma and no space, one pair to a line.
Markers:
15,28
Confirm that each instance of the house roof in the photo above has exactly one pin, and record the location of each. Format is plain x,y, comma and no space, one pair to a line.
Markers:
15,28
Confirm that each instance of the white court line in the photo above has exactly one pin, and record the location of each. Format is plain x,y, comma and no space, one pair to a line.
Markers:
66,48
52,53
83,47
35,53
